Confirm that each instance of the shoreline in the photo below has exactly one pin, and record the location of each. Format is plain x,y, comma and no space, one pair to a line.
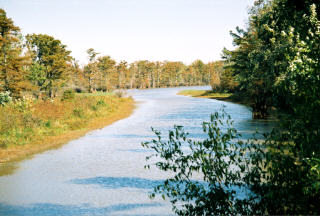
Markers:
228,97
210,95
18,153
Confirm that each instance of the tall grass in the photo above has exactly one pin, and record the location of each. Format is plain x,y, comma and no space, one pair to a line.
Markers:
27,121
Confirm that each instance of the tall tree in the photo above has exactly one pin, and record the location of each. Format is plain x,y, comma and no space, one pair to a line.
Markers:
106,66
12,61
91,70
199,69
52,59
263,50
122,69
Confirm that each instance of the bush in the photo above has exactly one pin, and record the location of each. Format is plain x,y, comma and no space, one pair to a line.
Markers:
68,95
78,112
277,175
5,98
218,159
101,103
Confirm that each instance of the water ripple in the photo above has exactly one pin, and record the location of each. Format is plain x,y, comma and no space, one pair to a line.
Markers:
119,182
48,209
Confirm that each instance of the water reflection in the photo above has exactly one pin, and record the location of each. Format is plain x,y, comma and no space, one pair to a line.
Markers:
8,168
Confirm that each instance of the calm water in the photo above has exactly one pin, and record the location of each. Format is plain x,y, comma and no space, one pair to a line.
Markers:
102,173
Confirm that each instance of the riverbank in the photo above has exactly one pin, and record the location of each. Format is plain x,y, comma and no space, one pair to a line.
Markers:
229,97
30,127
214,95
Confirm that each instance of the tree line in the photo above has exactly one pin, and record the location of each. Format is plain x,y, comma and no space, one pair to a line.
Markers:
40,65
103,73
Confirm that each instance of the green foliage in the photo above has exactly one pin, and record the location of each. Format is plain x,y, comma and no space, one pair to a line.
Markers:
227,81
224,175
68,95
18,123
219,161
278,178
78,112
276,62
50,62
101,103
314,173
5,98
275,56
48,124
281,46
37,74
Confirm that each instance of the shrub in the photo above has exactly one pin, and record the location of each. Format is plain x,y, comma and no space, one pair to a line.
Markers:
5,98
48,124
101,103
276,176
68,95
219,159
78,112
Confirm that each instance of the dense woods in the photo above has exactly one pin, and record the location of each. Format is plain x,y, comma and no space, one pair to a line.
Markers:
105,74
276,66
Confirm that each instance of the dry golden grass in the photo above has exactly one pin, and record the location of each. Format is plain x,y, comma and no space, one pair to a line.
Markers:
44,125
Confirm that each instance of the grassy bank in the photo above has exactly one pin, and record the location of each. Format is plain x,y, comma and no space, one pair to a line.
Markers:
235,98
206,94
230,97
28,127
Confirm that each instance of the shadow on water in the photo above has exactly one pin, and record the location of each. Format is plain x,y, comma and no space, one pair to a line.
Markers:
119,182
47,209
140,183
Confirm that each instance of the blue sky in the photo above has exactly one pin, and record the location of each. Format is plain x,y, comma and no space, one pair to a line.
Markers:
174,30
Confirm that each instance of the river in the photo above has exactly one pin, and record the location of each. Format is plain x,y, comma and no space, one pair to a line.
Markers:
103,172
